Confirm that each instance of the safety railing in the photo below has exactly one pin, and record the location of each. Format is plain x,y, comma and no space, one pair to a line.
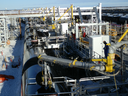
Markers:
82,49
30,82
21,12
78,89
95,55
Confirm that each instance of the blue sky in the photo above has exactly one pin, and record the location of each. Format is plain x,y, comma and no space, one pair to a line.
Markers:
24,4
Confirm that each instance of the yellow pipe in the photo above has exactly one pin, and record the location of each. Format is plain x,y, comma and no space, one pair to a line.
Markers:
72,11
54,12
96,59
53,26
64,13
104,60
123,35
109,65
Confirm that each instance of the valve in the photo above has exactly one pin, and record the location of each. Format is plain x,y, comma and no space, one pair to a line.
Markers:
109,62
109,65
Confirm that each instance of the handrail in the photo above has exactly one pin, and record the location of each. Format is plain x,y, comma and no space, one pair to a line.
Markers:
44,10
123,35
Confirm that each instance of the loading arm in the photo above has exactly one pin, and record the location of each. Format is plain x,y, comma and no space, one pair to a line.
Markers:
109,62
70,63
61,61
113,47
71,7
111,55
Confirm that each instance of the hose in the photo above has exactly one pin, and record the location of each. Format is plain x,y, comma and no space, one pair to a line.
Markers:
115,84
29,47
107,73
31,35
27,32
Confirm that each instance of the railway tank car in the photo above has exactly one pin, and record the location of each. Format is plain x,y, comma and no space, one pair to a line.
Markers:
33,74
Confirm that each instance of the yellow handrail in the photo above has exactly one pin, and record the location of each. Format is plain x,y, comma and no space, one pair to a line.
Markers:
44,10
72,11
123,35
